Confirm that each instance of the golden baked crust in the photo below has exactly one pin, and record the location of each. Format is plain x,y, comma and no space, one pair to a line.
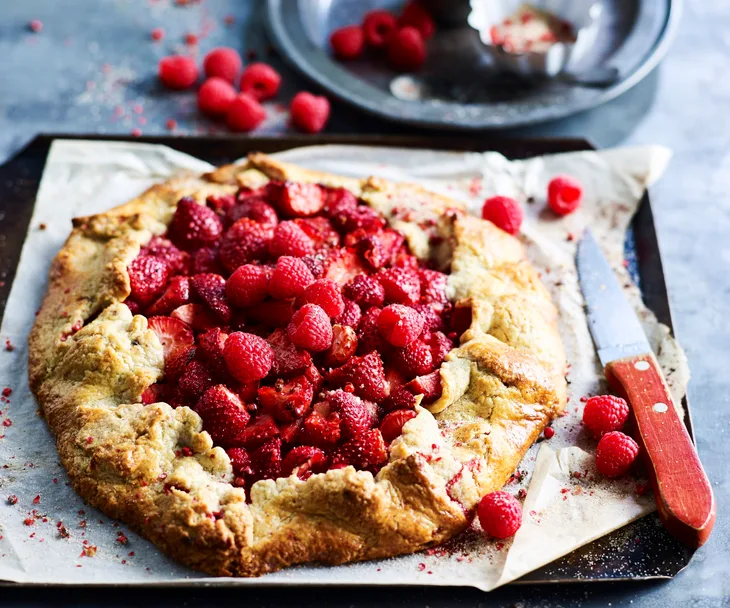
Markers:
501,387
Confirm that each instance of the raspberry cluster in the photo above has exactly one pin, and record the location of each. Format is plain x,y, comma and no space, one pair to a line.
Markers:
296,323
240,108
401,40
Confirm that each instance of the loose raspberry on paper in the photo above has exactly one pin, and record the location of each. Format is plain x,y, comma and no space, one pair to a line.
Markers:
615,454
564,194
605,413
504,213
500,514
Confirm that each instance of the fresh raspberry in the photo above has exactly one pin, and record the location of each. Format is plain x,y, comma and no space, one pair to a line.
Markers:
247,286
147,278
500,514
605,413
564,194
157,34
254,208
295,199
429,386
288,359
211,289
215,96
172,333
615,454
177,72
350,316
326,294
304,460
289,239
432,321
368,333
415,359
365,291
504,213
433,287
156,393
244,242
344,345
224,63
223,414
406,50
400,398
393,422
210,350
290,278
276,313
266,460
262,428
287,400
365,373
197,316
348,42
260,80
338,200
400,325
414,15
206,260
309,113
176,294
195,380
360,217
241,464
194,226
320,230
177,361
367,451
401,286
379,27
355,415
244,114
248,357
310,328
163,249
321,428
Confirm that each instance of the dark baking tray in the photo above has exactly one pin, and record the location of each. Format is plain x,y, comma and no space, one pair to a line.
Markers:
640,551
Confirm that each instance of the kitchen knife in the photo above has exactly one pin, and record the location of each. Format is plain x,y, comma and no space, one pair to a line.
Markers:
683,493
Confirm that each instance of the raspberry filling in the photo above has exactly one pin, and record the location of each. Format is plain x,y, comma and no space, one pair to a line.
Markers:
296,324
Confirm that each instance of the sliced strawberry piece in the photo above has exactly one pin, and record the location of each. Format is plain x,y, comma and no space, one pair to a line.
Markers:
254,208
211,288
377,249
295,199
289,431
433,287
338,200
321,231
177,361
344,345
206,260
260,429
401,285
367,451
196,379
416,359
210,346
223,414
241,464
355,415
196,316
156,393
304,460
176,294
247,392
147,278
400,398
342,265
429,386
365,373
368,334
172,333
288,359
439,345
392,424
194,226
244,242
287,399
275,313
266,460
360,217
321,430
221,203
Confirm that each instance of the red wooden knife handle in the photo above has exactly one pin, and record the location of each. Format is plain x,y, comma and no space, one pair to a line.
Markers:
683,492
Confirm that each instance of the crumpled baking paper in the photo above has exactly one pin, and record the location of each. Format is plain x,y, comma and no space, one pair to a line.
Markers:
48,534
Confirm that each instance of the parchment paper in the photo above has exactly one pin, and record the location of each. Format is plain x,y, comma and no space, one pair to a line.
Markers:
50,536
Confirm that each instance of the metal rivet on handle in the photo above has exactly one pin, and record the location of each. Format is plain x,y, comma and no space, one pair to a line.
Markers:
642,366
661,407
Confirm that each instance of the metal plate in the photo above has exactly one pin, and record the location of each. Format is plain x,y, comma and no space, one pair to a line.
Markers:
640,551
633,37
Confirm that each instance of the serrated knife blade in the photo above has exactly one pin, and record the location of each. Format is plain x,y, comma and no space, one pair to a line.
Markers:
616,330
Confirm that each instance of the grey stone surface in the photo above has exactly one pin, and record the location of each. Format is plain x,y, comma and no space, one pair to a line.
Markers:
57,81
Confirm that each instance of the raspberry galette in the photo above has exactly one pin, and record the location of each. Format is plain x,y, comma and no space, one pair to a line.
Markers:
266,366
